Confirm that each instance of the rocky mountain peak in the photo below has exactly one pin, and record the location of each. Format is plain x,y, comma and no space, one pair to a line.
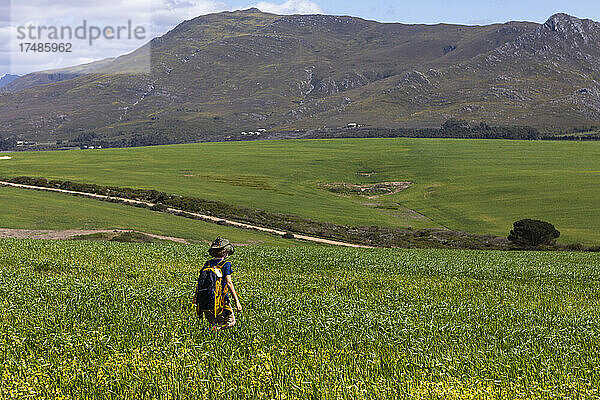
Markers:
568,25
563,23
561,36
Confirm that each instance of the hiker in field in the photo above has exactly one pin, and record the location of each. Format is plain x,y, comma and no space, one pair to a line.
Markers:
214,286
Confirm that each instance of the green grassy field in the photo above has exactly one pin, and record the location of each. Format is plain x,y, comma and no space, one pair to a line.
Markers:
25,209
479,186
83,320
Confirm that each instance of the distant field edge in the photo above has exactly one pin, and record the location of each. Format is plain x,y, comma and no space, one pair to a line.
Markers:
451,129
284,225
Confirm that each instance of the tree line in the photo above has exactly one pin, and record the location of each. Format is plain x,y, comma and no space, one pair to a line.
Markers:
452,128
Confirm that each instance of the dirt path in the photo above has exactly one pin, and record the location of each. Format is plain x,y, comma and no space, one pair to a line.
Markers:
207,218
69,233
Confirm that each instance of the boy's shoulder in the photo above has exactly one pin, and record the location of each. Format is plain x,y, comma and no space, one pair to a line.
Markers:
227,270
225,266
213,262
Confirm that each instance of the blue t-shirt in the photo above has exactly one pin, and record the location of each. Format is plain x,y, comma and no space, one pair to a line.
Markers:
225,269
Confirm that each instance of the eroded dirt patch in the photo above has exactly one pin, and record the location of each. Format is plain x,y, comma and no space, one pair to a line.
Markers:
93,234
371,191
367,174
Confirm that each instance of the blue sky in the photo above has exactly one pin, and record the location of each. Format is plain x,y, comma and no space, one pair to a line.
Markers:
159,16
461,12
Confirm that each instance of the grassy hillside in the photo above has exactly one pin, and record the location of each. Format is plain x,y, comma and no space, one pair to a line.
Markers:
22,209
80,320
477,186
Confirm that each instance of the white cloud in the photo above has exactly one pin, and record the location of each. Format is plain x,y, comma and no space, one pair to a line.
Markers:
156,16
73,14
166,14
290,7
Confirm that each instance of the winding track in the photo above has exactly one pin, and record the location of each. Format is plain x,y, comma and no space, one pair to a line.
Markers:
204,217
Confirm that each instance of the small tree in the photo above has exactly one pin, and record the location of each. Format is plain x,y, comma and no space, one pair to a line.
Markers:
531,232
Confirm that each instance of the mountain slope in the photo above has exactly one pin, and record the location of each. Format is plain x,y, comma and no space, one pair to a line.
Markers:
54,75
546,77
7,79
215,75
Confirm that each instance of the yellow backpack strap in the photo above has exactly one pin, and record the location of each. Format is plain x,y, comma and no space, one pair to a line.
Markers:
223,292
219,295
226,290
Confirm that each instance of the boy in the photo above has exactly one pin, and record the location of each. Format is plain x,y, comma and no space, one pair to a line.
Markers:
221,316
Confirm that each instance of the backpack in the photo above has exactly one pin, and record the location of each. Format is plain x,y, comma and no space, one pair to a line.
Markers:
210,295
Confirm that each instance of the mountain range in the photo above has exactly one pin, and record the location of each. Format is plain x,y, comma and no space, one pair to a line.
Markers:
6,79
220,74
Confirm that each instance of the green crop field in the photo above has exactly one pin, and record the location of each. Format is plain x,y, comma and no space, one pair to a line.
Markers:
84,320
478,186
25,209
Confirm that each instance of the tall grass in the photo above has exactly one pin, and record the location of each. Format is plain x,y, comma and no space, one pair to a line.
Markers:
112,320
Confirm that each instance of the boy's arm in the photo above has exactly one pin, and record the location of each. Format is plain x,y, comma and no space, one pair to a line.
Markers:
236,299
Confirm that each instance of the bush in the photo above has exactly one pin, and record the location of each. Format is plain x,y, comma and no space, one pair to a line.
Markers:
576,247
531,232
159,207
288,235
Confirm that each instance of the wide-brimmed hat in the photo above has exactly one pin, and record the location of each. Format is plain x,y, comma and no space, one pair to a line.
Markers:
220,244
